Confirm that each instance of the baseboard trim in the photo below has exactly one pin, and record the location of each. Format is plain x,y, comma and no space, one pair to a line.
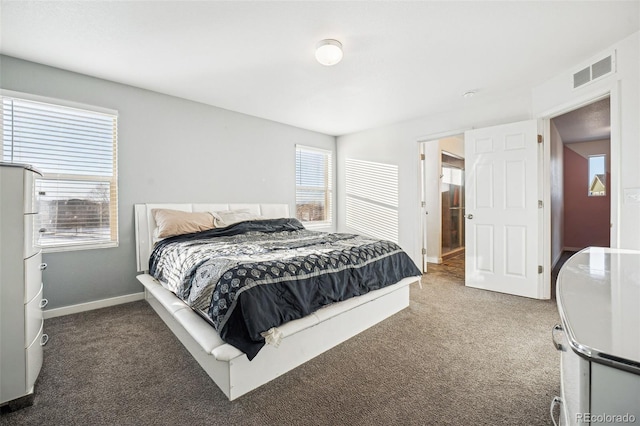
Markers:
452,253
434,259
89,306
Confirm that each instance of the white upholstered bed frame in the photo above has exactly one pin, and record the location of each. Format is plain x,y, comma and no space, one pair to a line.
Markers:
303,339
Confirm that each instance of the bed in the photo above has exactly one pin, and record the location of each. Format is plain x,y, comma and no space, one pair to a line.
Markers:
283,346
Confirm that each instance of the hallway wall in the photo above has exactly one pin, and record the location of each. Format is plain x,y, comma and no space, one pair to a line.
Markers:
586,219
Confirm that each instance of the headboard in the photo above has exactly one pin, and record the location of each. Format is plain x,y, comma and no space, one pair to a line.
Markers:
145,223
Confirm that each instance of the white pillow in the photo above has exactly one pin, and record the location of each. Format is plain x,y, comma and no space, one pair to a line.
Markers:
225,218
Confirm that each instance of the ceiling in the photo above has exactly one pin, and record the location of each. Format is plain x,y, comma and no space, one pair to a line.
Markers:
401,59
589,123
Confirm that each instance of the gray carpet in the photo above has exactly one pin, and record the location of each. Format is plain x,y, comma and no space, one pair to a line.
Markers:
456,356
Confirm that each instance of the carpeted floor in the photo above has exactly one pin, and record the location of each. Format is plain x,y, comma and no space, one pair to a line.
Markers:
456,356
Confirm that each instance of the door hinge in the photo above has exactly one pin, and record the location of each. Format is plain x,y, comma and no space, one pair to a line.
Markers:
423,204
540,269
424,251
540,204
540,139
422,157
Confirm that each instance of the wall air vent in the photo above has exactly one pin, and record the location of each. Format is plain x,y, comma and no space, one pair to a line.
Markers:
582,77
595,71
601,68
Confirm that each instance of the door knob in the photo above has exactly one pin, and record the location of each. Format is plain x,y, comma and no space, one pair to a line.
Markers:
469,216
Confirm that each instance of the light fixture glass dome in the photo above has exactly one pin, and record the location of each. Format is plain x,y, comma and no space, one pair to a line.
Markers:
329,52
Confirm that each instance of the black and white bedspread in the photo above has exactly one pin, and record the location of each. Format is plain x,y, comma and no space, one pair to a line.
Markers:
255,275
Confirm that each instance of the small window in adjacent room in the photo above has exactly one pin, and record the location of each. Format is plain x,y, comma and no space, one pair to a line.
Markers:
314,191
597,176
75,149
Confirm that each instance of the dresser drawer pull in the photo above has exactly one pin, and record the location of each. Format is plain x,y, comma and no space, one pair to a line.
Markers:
556,402
43,303
44,339
558,345
43,266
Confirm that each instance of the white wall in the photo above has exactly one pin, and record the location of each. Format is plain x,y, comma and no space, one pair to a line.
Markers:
399,144
169,150
557,95
453,145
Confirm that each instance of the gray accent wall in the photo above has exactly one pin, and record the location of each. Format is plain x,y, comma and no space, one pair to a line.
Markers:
169,150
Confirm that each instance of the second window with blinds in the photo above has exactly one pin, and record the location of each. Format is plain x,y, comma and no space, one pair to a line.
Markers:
314,187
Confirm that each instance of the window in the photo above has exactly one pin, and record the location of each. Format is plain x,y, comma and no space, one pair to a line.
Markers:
75,150
313,186
372,198
597,176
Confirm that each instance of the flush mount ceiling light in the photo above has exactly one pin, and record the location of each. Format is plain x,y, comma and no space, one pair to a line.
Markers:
329,52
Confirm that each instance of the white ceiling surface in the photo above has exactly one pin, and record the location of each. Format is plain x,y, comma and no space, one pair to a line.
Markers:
590,123
402,60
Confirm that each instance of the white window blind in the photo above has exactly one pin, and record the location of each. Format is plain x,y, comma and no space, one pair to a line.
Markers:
372,198
76,151
314,190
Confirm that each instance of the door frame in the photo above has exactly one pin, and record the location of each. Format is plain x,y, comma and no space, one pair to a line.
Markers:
422,206
613,92
585,98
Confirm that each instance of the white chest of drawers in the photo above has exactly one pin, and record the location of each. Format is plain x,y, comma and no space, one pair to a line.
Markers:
21,300
598,297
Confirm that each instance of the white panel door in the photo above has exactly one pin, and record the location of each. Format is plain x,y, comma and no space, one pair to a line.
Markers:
502,229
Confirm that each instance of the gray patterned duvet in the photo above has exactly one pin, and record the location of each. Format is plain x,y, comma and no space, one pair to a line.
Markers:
255,275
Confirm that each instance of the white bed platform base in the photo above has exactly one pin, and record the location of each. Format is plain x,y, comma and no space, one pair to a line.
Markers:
303,339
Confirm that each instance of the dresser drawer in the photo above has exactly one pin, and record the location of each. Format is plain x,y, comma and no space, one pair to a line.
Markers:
31,235
33,268
30,201
33,317
574,383
34,356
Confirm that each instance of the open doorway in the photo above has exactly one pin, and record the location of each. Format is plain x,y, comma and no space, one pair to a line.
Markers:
581,179
452,193
443,204
590,124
